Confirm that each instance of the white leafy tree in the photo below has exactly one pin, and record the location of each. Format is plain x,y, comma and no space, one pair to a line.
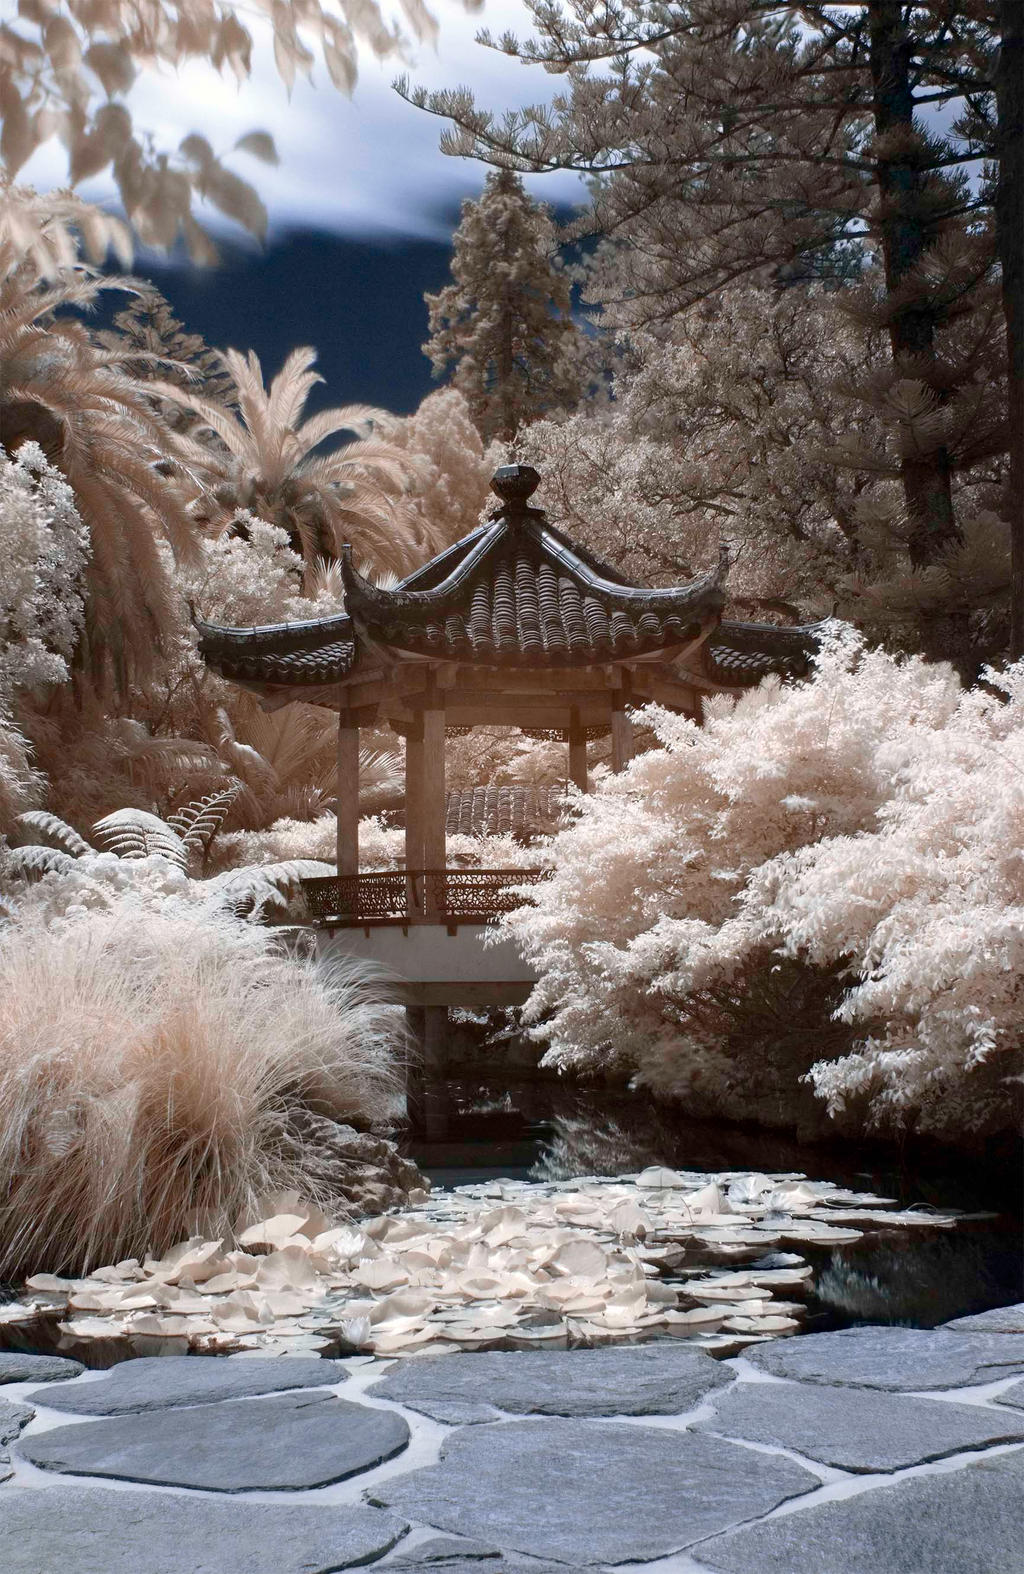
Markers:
822,882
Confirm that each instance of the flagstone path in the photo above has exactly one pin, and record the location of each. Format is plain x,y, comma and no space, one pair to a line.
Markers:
868,1451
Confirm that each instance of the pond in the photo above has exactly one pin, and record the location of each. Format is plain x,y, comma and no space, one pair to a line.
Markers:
542,1130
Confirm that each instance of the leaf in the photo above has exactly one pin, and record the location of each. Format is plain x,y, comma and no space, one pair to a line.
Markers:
62,45
135,833
38,11
260,144
339,54
236,198
201,248
233,45
196,148
114,66
31,863
48,830
198,823
17,138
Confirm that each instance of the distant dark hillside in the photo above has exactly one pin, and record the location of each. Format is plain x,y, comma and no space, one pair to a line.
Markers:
359,301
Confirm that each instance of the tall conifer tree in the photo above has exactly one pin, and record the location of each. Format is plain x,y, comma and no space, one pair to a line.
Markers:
505,322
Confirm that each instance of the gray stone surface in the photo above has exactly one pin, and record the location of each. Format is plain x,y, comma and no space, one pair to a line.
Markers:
586,1492
495,1565
651,1379
968,1521
81,1530
157,1382
12,1418
440,1549
18,1368
285,1442
899,1359
858,1429
1012,1396
1001,1320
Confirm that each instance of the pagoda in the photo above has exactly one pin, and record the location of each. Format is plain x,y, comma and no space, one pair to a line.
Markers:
513,625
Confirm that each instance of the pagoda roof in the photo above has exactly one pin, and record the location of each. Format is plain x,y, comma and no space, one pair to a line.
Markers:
741,654
515,593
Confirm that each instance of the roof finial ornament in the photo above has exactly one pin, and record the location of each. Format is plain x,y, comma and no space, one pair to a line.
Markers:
515,484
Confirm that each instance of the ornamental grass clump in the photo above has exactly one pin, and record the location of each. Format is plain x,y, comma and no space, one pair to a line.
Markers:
154,1069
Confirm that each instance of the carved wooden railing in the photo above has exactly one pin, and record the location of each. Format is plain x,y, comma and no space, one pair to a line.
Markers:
417,896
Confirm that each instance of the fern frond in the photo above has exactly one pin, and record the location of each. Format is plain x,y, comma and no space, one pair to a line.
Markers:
135,833
31,863
263,889
39,828
198,823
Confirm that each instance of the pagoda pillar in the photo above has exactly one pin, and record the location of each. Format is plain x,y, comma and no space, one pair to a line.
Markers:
413,811
622,738
347,795
577,752
433,802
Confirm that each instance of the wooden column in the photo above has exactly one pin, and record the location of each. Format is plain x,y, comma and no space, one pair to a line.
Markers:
622,738
434,841
577,752
347,794
413,811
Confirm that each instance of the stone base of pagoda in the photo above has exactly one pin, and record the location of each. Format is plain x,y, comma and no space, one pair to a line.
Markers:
427,968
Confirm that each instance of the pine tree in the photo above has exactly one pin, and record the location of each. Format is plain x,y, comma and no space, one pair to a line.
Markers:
164,350
505,322
733,140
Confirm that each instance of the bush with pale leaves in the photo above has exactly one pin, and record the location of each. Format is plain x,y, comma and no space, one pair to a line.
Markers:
822,881
44,546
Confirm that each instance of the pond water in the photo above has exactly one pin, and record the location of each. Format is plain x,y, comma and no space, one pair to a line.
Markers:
540,1130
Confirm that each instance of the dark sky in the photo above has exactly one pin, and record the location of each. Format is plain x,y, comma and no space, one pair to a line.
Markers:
359,302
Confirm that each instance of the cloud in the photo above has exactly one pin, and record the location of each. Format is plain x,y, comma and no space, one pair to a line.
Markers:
369,165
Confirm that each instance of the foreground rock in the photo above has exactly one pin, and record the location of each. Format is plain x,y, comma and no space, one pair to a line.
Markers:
357,1172
81,1530
634,1380
13,1418
861,1431
284,1443
968,1521
159,1382
586,1492
17,1368
898,1359
1001,1320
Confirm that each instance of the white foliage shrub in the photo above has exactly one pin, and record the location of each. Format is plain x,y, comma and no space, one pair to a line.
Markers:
44,546
831,867
246,580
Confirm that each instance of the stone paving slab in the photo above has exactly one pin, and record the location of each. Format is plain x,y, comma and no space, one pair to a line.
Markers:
587,1492
968,1521
18,1368
1012,1396
1001,1320
13,1417
898,1359
635,1380
857,1429
156,1382
441,1548
83,1530
285,1442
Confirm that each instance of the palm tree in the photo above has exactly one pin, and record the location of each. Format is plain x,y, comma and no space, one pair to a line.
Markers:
263,460
96,423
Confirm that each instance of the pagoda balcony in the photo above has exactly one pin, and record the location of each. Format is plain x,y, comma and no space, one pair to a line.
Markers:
400,897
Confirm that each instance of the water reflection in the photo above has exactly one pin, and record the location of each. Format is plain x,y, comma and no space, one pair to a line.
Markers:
543,1131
